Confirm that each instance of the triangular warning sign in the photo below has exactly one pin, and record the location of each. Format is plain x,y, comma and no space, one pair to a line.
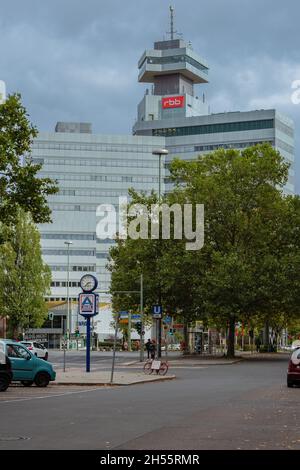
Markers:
87,301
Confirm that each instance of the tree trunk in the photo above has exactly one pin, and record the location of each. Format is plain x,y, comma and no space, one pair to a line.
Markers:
266,337
231,333
185,337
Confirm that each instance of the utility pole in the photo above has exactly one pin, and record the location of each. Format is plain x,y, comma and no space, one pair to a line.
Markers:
129,331
68,243
142,337
159,152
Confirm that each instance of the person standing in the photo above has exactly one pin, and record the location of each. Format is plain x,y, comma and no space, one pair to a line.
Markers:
152,349
148,347
257,343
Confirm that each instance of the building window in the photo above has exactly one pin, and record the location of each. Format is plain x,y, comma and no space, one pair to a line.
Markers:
215,128
54,252
67,236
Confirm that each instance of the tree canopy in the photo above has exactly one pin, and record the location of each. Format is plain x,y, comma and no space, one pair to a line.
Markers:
248,268
20,187
24,278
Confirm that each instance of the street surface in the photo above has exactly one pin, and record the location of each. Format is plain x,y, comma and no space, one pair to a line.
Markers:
236,406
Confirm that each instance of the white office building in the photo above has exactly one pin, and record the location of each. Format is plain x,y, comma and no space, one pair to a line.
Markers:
95,169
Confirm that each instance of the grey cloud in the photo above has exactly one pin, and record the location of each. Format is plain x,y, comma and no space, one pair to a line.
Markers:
77,60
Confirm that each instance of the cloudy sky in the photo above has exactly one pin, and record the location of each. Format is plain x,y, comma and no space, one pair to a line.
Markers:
77,60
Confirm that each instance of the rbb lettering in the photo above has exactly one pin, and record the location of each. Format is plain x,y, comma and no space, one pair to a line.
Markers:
173,102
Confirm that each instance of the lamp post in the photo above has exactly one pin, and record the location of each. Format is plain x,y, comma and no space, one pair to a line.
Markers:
142,337
68,243
160,152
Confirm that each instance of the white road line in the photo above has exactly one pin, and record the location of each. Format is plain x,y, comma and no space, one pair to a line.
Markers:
56,395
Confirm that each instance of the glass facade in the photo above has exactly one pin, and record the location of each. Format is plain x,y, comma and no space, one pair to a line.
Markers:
215,128
91,147
176,59
54,252
96,162
83,268
68,236
98,177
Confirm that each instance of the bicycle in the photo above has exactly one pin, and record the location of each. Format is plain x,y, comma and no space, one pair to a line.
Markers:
161,367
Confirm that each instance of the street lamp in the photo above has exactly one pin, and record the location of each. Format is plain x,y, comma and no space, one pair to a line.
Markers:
159,152
68,243
142,338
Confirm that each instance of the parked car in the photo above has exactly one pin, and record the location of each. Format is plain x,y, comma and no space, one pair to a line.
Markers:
293,374
5,370
38,349
27,368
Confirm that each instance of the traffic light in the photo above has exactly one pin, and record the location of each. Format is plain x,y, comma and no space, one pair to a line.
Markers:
138,327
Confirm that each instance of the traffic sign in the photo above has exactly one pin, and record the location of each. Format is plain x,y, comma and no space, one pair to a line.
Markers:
135,317
167,319
88,304
123,315
157,311
178,326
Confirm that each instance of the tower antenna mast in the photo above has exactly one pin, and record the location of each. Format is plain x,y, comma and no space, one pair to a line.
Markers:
172,32
172,21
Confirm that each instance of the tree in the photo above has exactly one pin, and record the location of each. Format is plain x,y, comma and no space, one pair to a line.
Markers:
250,261
19,184
24,278
248,269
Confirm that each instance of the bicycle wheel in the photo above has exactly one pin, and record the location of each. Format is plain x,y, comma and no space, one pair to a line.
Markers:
163,368
148,368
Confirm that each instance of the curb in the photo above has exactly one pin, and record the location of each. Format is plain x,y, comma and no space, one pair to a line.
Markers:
115,384
186,364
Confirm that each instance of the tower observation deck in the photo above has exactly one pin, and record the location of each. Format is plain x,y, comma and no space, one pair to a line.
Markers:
172,68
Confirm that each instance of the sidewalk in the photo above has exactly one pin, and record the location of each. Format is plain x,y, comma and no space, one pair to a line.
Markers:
190,362
198,360
102,378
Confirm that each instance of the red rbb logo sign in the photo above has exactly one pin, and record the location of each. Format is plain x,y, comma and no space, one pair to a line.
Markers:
173,102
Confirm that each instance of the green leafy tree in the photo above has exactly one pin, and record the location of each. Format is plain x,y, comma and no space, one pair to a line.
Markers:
248,269
250,261
19,184
24,278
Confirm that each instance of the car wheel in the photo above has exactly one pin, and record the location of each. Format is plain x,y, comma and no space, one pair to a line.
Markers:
4,383
290,384
42,379
27,383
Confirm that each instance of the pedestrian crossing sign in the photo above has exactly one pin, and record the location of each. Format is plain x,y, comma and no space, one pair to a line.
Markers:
88,304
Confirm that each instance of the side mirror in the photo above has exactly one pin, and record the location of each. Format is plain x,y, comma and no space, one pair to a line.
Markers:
28,357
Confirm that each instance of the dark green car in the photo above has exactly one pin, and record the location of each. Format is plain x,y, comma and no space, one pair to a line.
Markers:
26,367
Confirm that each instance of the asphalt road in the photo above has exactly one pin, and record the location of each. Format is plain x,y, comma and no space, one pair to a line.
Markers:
240,406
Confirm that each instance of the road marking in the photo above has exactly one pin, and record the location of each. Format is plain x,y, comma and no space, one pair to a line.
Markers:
56,395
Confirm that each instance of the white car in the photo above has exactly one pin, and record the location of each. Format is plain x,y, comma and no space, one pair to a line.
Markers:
38,349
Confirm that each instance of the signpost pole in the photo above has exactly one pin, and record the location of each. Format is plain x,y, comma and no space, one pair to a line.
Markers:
114,351
64,346
129,330
88,343
142,342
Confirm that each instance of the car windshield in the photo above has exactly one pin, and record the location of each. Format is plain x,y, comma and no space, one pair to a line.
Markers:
2,354
296,357
16,351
